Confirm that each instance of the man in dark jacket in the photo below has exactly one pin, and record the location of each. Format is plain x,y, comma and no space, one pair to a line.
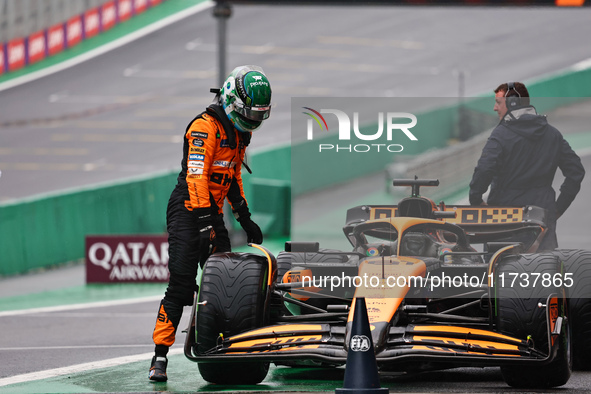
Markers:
520,159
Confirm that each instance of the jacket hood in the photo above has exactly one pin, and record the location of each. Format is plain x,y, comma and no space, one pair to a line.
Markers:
526,122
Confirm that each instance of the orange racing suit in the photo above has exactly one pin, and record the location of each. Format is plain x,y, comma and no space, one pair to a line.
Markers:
213,153
211,168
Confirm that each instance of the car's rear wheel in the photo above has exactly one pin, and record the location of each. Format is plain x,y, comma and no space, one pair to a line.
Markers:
520,315
286,260
235,288
577,263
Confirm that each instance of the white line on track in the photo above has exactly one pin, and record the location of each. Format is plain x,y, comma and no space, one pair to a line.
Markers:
5,349
582,65
77,315
108,46
61,308
52,373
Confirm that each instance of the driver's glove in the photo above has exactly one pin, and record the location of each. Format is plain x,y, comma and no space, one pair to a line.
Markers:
254,235
206,234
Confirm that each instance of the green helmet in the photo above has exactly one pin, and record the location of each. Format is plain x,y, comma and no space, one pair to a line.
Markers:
246,97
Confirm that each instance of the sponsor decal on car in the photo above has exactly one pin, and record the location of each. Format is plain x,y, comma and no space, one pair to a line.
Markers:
198,150
469,215
198,134
294,342
194,156
372,251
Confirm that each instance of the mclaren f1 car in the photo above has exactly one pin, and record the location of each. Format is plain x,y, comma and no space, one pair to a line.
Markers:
445,286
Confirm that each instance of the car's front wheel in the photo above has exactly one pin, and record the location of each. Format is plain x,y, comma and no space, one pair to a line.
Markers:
577,264
521,313
234,287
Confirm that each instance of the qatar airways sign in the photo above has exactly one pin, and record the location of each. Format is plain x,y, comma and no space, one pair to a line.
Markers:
126,259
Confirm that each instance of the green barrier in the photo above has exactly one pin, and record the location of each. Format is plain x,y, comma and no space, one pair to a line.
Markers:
270,201
273,163
268,189
546,95
50,230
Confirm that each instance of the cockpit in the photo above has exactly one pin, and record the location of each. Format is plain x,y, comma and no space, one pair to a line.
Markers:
418,239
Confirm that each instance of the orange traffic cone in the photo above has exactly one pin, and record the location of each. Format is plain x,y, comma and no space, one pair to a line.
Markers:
361,371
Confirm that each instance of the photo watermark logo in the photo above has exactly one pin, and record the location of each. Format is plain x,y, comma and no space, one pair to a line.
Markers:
395,124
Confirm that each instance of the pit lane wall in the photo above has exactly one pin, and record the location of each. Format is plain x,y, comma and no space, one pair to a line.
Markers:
50,230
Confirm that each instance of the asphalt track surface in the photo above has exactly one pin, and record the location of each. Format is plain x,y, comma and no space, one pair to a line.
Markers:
105,347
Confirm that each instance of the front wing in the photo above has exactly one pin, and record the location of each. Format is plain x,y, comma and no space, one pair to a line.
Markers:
428,343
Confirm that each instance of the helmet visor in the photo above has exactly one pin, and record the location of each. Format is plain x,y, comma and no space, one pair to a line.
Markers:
253,113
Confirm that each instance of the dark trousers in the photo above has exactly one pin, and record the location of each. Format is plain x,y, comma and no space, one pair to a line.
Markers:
183,263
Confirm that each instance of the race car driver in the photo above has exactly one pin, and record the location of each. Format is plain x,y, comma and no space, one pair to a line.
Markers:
213,154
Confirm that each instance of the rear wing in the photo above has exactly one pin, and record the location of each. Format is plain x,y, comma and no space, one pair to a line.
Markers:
482,224
467,216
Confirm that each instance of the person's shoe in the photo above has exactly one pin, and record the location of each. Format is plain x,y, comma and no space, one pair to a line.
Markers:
158,369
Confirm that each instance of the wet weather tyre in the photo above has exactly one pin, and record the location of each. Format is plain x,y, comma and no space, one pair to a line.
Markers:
283,265
577,263
235,288
519,316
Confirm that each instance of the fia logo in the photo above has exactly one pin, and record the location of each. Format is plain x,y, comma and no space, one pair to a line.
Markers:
360,343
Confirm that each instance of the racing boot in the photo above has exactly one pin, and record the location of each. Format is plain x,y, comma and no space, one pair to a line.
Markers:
169,315
158,369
